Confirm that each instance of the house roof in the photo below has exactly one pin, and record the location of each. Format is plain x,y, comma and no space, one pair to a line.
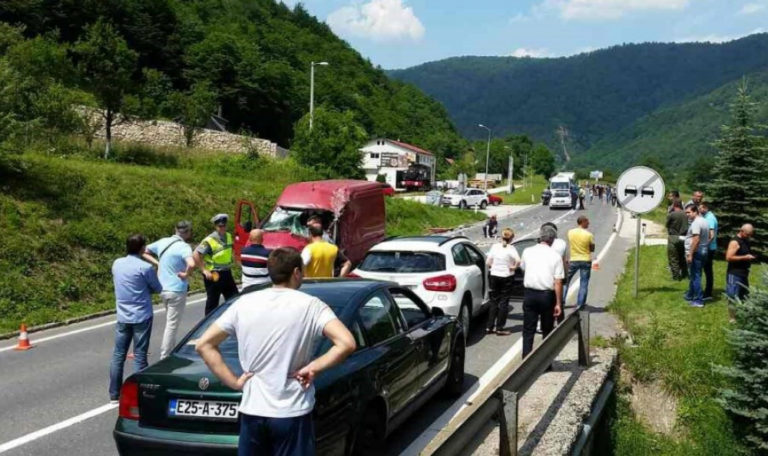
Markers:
410,147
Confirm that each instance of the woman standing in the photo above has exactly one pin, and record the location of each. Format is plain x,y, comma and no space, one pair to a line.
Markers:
502,260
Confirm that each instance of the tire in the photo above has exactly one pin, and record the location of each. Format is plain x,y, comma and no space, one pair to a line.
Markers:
462,204
454,384
496,203
465,316
483,204
368,437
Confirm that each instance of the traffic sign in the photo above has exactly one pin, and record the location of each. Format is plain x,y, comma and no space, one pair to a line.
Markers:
640,189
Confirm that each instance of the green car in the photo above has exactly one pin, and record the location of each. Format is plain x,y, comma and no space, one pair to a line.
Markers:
405,354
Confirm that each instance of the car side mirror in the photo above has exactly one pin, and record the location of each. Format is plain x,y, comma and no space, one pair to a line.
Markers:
437,312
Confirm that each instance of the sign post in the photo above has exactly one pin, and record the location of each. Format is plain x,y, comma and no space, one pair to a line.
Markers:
639,190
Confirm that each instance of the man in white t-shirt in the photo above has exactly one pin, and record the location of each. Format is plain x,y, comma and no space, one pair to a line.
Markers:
277,331
543,284
561,247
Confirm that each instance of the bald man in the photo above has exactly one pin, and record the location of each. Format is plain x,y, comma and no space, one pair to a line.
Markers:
254,260
739,257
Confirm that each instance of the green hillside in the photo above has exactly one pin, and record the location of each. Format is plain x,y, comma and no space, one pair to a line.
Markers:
592,95
254,54
677,135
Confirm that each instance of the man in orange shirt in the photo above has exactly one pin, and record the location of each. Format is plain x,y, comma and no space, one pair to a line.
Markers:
582,244
320,256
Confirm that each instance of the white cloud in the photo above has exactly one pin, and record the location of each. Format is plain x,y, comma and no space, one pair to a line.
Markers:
751,8
379,20
535,53
609,9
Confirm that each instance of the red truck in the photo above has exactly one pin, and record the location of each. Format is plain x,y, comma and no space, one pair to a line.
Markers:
353,213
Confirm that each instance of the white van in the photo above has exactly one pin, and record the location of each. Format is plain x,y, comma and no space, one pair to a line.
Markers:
560,186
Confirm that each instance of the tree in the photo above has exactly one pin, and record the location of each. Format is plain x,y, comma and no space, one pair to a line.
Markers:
747,397
739,191
542,160
106,64
332,147
195,108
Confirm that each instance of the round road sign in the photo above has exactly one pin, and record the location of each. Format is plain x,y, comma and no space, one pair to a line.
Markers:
640,189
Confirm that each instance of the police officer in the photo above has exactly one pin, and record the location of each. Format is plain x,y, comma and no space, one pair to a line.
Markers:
215,258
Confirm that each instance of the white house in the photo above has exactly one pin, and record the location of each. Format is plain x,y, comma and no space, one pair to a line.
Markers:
392,158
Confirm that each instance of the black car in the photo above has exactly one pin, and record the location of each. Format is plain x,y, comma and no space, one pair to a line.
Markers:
406,353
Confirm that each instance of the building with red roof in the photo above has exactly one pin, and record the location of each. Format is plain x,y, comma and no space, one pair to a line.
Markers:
393,159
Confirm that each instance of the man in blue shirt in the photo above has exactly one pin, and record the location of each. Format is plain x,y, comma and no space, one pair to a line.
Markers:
174,263
135,281
709,216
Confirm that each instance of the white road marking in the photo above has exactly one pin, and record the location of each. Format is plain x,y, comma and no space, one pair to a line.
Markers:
32,436
90,328
555,221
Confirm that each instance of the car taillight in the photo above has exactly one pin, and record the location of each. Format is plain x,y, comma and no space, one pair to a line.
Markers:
445,282
129,400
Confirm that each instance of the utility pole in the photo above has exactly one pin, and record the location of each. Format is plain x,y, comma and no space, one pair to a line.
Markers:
487,155
312,91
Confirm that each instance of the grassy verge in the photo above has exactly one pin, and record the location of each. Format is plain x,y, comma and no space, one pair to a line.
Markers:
676,346
523,195
64,219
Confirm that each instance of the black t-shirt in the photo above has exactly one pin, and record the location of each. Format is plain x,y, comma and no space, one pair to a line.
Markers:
740,268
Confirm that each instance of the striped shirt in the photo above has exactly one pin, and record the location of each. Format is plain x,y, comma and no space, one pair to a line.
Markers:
254,261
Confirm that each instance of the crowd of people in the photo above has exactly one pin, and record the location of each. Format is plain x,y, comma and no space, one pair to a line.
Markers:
692,230
606,194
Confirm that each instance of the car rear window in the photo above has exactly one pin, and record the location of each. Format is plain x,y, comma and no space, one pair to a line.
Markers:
403,261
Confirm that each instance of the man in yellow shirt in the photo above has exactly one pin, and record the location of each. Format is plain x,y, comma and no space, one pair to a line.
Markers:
320,256
582,244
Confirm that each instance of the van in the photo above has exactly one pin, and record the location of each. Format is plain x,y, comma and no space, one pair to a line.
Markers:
560,188
353,214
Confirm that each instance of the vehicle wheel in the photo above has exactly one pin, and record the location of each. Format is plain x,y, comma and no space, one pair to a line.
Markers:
462,204
368,437
465,317
496,203
454,385
483,204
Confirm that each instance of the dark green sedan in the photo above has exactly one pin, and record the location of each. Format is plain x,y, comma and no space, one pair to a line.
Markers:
405,354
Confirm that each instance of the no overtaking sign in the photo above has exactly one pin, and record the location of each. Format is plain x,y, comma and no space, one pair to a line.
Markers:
640,189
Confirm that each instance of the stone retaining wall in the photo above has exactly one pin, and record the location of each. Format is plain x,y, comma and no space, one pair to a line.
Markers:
166,133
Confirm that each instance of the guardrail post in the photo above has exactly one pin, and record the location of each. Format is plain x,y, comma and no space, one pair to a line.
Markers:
583,329
507,416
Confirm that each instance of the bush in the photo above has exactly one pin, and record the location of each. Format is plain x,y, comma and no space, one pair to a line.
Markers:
747,398
141,154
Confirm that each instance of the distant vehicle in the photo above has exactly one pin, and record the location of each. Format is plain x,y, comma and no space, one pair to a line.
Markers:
417,177
494,200
406,353
360,225
560,188
445,272
387,190
468,198
546,195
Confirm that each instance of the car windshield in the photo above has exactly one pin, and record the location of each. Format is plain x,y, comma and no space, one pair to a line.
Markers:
402,262
288,219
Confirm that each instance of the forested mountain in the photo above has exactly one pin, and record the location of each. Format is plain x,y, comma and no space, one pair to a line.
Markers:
595,95
254,54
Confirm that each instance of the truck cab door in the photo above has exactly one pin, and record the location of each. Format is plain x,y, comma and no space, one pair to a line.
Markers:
246,219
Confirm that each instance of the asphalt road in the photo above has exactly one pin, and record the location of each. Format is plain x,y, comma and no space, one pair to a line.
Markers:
54,397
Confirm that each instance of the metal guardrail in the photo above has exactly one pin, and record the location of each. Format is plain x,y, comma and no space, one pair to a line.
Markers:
503,402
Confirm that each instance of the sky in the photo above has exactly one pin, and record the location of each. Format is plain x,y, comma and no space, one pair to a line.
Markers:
403,33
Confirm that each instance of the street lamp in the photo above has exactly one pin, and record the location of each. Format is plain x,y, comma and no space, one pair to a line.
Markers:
487,155
312,91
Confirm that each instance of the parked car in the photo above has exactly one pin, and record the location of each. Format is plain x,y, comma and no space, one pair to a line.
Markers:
387,190
445,272
493,199
406,353
361,224
468,198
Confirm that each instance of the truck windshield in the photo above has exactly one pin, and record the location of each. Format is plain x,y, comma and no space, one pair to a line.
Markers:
283,219
403,261
560,185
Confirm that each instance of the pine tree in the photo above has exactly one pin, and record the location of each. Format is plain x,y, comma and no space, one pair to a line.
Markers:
739,191
747,397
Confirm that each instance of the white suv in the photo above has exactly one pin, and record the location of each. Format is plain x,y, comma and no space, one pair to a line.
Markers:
445,272
468,198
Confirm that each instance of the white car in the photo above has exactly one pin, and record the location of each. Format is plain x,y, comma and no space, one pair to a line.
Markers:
468,198
445,272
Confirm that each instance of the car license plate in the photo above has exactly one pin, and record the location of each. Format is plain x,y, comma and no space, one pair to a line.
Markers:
203,409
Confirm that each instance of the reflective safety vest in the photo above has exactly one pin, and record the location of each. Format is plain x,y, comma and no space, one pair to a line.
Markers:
221,254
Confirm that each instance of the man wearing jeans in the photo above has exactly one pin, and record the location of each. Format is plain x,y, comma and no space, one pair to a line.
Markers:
696,249
709,259
135,280
174,264
582,244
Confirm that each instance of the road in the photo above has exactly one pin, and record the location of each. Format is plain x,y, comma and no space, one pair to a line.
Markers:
54,397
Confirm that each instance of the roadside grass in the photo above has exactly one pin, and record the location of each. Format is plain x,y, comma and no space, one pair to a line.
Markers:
64,219
676,345
523,195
